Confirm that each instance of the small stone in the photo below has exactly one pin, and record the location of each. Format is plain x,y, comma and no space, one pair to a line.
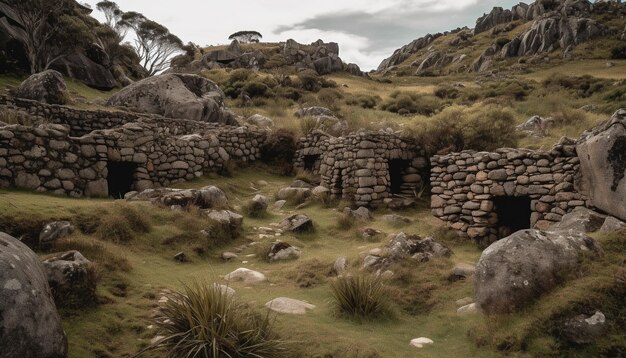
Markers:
181,257
227,256
421,342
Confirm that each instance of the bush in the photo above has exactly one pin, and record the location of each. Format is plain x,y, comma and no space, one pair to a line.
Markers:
584,86
256,89
410,103
205,321
115,228
363,101
362,296
447,92
618,53
310,81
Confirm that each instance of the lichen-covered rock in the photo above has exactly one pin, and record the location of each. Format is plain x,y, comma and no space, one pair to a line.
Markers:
515,271
602,154
30,325
580,219
289,306
584,329
55,230
225,222
258,205
298,223
283,251
72,279
47,87
175,96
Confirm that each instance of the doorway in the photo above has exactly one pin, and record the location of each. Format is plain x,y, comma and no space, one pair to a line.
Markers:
397,168
513,214
120,178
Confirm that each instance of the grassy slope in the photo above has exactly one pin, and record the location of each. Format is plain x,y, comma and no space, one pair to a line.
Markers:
119,326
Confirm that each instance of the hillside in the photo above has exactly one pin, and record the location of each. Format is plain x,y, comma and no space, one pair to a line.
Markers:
466,199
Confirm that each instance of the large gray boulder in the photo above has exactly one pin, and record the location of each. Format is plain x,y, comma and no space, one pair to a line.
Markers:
602,154
46,87
82,68
182,96
30,325
515,271
496,17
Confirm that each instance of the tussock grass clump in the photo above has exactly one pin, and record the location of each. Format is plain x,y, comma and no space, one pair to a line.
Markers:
361,296
108,259
345,222
115,228
364,101
404,103
205,321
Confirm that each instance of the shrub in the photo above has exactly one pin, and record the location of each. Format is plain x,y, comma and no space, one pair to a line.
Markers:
618,52
115,228
447,92
310,81
206,321
362,296
308,124
410,103
363,101
345,222
329,97
256,89
584,86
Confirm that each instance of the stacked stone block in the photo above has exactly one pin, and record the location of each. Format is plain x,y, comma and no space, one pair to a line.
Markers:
464,185
356,167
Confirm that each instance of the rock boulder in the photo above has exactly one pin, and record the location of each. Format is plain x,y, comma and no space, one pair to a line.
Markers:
515,271
602,154
182,96
47,87
30,325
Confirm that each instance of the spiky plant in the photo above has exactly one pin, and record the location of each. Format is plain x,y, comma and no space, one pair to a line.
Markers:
361,296
206,321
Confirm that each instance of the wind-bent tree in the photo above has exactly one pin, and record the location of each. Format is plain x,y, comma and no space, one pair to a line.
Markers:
246,36
154,43
113,16
44,28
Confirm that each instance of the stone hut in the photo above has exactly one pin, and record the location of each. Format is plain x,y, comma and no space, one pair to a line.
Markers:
487,196
109,153
366,168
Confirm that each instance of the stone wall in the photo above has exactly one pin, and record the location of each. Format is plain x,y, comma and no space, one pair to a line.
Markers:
160,152
366,168
466,185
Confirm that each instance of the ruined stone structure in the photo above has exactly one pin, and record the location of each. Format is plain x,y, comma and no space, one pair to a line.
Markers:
486,196
365,168
100,153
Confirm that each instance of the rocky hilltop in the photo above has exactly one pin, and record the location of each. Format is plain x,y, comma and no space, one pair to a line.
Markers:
322,57
523,32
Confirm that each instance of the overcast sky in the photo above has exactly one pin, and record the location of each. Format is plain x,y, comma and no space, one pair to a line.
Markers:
367,30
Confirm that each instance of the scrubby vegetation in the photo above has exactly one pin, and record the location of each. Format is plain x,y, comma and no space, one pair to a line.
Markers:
204,320
361,296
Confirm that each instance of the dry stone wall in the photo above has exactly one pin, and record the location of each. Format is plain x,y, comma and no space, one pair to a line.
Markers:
147,152
468,186
365,168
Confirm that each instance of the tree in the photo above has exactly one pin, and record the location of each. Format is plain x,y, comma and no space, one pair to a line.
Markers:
246,36
45,28
154,43
113,16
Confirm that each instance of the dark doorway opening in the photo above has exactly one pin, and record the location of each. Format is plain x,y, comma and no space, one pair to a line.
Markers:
513,214
397,167
310,162
120,178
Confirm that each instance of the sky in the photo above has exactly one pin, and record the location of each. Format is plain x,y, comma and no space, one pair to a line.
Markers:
367,31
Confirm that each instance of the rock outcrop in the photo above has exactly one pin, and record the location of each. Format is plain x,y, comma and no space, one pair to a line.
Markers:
47,87
82,68
30,325
182,96
318,56
496,17
72,280
602,154
515,271
402,54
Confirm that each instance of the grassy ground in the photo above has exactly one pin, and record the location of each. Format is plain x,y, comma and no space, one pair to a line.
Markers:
141,268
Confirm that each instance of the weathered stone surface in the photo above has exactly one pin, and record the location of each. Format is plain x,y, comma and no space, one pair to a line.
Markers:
584,329
30,325
175,96
258,205
612,224
289,306
55,230
515,271
245,275
580,220
283,251
298,223
71,279
47,87
603,165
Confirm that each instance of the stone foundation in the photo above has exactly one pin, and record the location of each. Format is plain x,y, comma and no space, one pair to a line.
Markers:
466,184
365,168
58,157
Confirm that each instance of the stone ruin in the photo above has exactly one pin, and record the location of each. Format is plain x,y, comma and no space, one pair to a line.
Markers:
487,196
367,168
109,153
